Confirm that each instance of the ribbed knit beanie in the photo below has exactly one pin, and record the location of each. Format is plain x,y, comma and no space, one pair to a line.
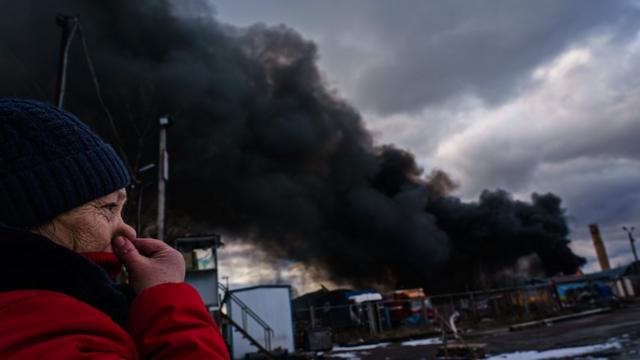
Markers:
50,162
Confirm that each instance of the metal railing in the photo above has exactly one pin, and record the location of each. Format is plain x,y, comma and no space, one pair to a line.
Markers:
245,314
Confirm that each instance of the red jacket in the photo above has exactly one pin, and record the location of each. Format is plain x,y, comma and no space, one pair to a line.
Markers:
71,310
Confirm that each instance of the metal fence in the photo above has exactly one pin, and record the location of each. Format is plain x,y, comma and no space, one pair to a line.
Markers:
475,309
399,317
501,305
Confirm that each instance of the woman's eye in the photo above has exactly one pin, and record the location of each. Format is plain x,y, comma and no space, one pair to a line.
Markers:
110,207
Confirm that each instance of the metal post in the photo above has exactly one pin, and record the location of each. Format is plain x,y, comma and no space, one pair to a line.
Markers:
312,316
141,185
69,24
632,241
139,210
244,319
163,171
474,307
525,297
379,317
371,318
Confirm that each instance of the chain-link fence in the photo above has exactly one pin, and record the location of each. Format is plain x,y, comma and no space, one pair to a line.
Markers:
337,314
499,305
390,318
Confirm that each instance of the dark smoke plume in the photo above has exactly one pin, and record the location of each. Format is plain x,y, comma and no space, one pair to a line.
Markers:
262,150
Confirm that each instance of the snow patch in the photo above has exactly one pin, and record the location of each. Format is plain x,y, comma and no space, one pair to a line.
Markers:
345,355
430,341
557,353
360,347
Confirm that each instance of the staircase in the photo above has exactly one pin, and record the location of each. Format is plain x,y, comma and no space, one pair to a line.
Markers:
245,314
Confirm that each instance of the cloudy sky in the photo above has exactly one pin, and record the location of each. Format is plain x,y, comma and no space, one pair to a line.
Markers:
528,96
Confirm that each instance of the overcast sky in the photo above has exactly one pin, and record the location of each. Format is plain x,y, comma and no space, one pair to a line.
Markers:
528,96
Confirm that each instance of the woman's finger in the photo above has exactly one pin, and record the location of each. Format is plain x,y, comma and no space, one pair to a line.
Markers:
129,233
149,247
124,250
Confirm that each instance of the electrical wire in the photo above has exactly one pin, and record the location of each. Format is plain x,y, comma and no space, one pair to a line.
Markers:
103,105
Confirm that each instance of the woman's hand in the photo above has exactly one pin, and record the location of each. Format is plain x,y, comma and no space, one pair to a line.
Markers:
150,262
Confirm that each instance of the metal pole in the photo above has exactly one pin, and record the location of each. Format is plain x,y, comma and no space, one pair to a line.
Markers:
371,318
163,163
632,241
474,309
312,316
139,210
141,185
69,24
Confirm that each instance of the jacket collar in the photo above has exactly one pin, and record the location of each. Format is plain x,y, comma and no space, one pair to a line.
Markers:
29,261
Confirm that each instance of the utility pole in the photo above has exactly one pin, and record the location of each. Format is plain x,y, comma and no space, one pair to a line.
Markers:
632,241
163,173
140,186
69,24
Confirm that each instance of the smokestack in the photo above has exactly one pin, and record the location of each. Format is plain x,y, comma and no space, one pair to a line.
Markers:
599,245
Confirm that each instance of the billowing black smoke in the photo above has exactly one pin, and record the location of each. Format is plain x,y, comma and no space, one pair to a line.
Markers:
262,150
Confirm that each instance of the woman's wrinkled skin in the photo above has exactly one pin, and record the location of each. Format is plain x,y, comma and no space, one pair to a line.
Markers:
97,226
90,227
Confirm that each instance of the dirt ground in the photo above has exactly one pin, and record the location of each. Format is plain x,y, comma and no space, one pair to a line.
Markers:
622,324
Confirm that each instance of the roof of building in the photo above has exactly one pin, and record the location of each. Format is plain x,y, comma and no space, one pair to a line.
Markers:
611,274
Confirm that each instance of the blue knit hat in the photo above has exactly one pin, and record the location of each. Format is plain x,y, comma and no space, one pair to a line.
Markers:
50,162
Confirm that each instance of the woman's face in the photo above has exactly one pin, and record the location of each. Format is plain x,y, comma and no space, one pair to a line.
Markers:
92,226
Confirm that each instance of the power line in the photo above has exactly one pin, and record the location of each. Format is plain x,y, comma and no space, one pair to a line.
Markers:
103,105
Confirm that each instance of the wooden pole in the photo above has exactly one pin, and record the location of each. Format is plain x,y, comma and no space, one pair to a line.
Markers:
69,24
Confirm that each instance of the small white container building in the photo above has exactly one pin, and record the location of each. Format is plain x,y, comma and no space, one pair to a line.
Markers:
272,304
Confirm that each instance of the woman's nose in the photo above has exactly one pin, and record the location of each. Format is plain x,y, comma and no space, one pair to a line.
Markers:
127,231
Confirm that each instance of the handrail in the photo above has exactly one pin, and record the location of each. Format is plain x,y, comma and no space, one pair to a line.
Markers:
250,338
246,310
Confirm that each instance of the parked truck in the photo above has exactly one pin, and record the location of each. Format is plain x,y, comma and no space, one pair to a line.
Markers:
409,307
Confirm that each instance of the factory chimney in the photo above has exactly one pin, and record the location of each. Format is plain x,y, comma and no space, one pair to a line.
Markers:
599,245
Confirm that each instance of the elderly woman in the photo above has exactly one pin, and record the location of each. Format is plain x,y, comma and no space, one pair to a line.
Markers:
63,242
